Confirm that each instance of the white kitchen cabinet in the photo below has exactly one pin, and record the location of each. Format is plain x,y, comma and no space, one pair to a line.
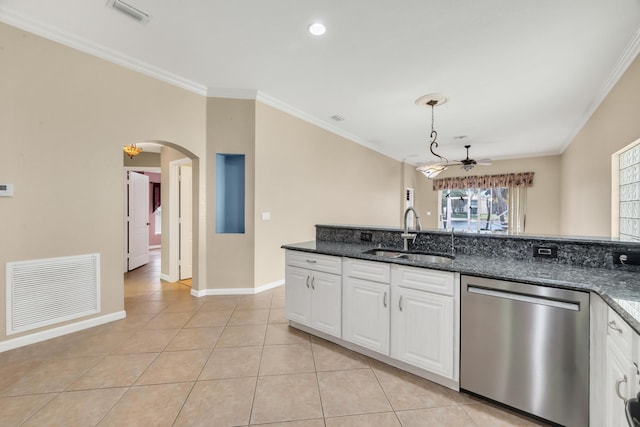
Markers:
423,321
422,330
326,303
621,377
361,297
313,298
365,304
618,384
366,314
298,295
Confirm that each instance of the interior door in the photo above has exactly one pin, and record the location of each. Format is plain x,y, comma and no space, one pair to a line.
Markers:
137,220
186,223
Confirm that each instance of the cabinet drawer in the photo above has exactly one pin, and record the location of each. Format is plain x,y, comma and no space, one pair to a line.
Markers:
316,262
620,333
367,270
422,279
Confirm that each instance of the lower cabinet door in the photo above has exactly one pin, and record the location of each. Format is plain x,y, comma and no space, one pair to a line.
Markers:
366,314
298,295
422,329
618,382
326,303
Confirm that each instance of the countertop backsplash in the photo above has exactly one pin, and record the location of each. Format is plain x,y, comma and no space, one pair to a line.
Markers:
580,252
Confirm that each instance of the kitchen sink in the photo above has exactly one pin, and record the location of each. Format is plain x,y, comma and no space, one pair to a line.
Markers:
435,259
418,257
383,253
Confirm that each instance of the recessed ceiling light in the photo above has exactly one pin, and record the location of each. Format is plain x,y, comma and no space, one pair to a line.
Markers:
317,29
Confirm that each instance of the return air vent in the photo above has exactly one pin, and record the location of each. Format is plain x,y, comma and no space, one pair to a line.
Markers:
129,10
48,291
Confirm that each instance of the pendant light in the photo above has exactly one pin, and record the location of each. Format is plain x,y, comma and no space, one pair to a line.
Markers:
432,170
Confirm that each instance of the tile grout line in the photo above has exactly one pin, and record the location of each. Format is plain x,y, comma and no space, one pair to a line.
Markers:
315,367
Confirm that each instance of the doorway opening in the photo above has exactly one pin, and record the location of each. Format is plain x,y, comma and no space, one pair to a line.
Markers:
177,170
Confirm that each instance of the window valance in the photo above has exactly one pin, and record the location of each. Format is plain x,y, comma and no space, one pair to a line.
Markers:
522,179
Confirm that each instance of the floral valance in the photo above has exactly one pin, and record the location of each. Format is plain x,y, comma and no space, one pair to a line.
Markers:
522,179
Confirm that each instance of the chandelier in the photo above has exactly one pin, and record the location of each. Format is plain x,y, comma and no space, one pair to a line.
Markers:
431,170
131,150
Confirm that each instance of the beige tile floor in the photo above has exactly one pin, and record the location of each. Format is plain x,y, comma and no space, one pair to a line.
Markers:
217,361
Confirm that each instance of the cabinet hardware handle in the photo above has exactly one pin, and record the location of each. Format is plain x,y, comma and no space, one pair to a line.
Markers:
620,381
307,282
637,369
612,325
384,300
313,279
311,261
400,303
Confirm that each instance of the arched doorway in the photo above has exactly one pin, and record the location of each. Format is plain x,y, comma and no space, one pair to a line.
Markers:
167,159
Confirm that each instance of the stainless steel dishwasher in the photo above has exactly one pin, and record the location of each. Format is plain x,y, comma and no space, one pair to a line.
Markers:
526,346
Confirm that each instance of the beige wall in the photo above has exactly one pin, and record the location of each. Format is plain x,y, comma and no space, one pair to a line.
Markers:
64,117
586,163
543,198
231,130
306,176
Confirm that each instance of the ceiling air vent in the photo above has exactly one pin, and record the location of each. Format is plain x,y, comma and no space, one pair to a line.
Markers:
337,118
129,10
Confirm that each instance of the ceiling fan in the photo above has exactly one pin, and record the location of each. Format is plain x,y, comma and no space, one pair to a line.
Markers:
432,169
468,164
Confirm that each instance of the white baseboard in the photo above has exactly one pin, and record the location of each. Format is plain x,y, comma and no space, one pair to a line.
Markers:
165,277
59,331
237,291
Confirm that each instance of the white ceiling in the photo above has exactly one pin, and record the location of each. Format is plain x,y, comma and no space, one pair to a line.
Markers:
521,76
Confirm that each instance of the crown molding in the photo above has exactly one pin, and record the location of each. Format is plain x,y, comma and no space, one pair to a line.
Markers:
220,92
51,33
295,112
618,70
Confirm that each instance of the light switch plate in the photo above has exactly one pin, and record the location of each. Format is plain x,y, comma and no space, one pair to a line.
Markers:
266,216
6,190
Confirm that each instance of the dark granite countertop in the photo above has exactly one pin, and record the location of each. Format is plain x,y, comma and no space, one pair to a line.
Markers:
618,288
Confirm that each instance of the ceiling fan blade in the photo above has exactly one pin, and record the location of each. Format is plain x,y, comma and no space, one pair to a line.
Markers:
484,162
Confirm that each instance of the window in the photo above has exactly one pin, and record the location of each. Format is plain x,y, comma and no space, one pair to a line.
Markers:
475,209
489,204
629,194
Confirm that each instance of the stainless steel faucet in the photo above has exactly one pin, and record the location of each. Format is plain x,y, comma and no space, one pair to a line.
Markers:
406,235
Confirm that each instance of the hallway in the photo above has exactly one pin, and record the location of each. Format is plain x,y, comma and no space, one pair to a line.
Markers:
216,361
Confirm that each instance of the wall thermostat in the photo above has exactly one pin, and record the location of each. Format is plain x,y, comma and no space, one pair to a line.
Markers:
6,190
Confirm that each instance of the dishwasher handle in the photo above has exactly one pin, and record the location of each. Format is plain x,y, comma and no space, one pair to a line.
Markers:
530,299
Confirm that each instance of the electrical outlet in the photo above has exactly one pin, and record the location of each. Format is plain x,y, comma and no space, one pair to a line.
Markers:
365,237
540,251
626,258
6,190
